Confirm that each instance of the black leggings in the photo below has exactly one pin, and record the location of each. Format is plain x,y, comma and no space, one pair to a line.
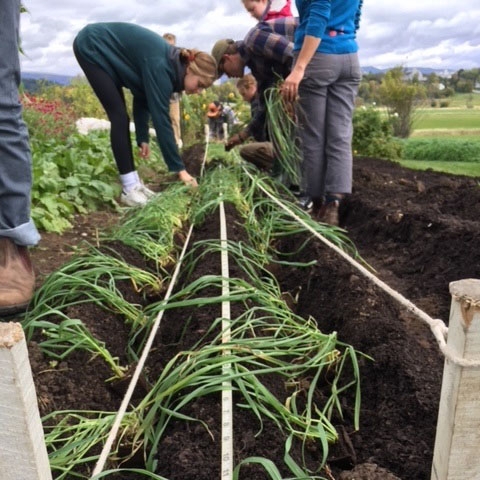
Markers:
113,101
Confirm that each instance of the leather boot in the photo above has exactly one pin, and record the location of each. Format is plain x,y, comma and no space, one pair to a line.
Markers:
327,213
17,278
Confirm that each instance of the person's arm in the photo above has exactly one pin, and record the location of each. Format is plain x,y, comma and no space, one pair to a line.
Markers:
290,86
141,117
158,94
319,14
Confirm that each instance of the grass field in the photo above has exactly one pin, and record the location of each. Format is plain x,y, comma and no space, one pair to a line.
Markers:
463,119
456,168
457,121
460,118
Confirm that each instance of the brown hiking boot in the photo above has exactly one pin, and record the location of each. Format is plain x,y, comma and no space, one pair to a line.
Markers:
328,213
17,278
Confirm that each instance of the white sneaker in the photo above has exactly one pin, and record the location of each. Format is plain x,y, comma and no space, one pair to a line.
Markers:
135,197
146,191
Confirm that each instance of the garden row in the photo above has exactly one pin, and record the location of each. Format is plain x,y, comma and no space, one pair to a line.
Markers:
420,237
90,319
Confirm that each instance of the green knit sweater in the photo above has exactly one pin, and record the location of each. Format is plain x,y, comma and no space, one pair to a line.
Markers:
143,62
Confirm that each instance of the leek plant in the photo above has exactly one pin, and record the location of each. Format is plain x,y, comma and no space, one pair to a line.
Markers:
137,471
151,230
224,184
267,222
282,127
72,439
72,335
91,278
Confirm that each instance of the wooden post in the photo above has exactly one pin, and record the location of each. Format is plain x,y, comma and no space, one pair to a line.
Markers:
457,444
23,455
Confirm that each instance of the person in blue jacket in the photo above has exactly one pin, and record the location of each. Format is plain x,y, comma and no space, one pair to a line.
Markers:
324,79
115,55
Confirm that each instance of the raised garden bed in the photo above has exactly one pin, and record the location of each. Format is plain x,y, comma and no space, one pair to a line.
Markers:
419,230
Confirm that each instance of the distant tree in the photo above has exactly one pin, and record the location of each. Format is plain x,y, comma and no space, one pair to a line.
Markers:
368,90
432,79
464,81
401,98
464,86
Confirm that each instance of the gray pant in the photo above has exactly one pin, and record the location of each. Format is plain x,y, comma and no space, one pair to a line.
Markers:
325,109
15,157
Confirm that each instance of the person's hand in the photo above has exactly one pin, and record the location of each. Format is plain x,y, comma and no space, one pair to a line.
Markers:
289,88
233,141
187,179
144,150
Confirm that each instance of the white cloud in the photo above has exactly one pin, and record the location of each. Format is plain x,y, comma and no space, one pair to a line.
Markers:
429,33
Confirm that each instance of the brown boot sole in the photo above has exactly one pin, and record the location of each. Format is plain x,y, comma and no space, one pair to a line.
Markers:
12,310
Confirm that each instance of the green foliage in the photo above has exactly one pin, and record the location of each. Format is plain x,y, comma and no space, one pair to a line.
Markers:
193,110
76,176
460,83
71,173
372,135
79,97
401,99
47,119
469,169
442,149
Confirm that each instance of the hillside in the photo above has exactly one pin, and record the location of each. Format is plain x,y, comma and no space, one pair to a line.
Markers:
29,77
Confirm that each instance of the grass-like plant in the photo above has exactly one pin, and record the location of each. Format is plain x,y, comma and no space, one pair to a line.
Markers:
69,335
282,129
93,277
73,437
151,230
267,339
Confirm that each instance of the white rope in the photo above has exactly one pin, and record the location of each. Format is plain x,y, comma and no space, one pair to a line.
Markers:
437,326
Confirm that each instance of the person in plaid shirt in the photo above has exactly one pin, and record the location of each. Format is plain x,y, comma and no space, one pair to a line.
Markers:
267,50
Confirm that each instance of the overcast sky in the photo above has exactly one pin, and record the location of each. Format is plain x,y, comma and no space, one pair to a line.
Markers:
441,34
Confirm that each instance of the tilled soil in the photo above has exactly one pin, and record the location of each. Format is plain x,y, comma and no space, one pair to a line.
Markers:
418,230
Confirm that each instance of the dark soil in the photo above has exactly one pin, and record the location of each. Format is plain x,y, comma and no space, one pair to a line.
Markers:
419,230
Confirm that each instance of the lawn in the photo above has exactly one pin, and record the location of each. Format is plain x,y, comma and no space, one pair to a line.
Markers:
456,168
463,120
454,122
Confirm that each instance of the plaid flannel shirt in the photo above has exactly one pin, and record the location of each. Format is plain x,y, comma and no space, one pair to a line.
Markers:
267,50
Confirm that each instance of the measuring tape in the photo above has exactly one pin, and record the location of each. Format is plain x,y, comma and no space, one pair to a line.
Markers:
227,414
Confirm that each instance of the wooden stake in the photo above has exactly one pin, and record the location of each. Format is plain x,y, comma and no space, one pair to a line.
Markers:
457,444
23,455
